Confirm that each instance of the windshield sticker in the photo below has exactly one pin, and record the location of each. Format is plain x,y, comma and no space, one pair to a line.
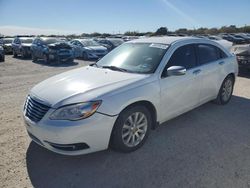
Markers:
162,46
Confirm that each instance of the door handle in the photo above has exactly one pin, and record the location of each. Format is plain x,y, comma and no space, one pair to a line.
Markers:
197,71
221,63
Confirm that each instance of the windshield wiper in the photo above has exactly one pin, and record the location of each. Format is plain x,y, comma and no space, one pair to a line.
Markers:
93,64
115,68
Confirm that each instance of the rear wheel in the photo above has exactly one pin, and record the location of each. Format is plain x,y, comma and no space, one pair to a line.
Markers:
226,91
131,129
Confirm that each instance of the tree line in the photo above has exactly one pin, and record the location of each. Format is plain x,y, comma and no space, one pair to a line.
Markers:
165,31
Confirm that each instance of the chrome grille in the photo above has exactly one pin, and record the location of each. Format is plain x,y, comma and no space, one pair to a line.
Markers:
35,110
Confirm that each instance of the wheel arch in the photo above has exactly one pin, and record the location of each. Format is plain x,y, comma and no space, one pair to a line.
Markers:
149,105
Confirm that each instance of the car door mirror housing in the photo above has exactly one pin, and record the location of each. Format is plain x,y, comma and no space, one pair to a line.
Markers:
176,71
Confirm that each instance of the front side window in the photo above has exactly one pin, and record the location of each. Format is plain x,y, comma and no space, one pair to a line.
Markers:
207,53
135,57
183,56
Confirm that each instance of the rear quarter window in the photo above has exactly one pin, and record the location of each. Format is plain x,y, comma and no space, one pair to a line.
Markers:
207,53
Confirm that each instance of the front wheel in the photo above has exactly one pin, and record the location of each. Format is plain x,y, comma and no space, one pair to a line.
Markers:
226,91
131,129
34,59
14,53
85,56
46,58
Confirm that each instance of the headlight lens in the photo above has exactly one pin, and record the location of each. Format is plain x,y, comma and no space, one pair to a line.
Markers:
75,111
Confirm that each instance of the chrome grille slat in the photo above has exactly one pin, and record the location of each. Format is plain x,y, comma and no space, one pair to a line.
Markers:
30,106
33,113
35,110
42,106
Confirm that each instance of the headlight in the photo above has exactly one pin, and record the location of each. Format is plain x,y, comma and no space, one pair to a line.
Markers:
75,111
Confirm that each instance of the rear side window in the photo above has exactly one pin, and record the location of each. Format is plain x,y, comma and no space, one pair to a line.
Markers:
207,53
183,56
222,54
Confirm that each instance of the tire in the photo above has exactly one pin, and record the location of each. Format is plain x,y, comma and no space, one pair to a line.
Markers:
2,59
125,131
14,53
84,56
226,91
71,60
34,58
46,58
23,54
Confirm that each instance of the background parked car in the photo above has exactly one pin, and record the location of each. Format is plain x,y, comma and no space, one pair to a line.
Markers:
88,49
2,55
242,53
51,49
225,43
234,39
21,46
244,37
7,45
110,43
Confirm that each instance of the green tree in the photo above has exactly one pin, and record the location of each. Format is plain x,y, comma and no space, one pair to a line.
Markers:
161,31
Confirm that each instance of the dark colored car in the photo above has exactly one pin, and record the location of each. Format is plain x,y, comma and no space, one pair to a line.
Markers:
7,45
2,55
110,43
21,46
235,40
244,37
51,49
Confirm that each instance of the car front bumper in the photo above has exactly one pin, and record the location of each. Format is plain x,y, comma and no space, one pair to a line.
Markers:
91,134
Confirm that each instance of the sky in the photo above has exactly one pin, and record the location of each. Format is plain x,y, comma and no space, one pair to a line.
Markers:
117,16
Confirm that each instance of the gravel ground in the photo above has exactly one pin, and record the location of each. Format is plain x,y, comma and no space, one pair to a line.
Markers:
206,147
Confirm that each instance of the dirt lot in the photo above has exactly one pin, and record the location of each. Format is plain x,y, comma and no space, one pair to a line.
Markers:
207,147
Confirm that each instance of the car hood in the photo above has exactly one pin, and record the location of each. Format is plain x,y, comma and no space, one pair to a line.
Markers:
60,45
84,84
7,44
27,44
97,48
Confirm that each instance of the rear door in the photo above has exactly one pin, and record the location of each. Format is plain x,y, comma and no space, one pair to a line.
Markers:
211,63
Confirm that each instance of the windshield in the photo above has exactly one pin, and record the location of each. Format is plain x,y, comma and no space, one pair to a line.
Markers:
7,41
89,43
25,40
52,40
135,57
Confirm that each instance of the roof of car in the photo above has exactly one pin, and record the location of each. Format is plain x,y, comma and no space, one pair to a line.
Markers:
163,40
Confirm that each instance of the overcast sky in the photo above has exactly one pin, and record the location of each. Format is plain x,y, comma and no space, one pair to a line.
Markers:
117,16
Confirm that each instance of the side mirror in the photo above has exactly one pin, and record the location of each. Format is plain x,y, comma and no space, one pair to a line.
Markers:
176,71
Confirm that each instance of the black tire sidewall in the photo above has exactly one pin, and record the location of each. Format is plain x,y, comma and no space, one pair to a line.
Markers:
33,57
84,55
221,89
116,136
46,58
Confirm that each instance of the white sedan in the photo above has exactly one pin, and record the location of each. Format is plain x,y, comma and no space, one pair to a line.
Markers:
117,101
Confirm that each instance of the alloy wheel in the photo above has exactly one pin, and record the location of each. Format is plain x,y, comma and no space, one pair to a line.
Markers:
134,129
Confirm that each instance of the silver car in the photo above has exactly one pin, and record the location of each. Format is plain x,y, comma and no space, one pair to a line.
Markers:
88,49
